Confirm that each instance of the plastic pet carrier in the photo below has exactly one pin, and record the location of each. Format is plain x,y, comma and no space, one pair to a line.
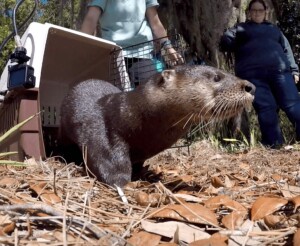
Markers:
62,58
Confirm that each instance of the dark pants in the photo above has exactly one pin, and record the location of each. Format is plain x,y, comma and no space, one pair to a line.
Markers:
274,90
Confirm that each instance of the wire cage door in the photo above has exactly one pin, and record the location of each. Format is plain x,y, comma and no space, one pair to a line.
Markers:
134,65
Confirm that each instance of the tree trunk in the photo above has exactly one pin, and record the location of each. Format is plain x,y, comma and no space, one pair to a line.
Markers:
82,12
202,22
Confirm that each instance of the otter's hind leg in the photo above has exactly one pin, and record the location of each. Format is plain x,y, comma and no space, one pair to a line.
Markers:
110,164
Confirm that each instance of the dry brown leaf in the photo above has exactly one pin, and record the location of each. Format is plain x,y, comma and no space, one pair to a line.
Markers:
186,178
5,219
240,177
144,239
168,244
200,215
290,191
2,234
39,187
110,227
9,228
21,197
286,191
142,198
70,238
6,225
276,177
228,182
223,200
259,177
215,240
87,185
273,220
171,229
216,202
296,239
157,199
188,198
50,198
244,166
46,196
8,182
235,206
266,205
217,182
15,200
233,220
212,190
294,189
296,201
137,184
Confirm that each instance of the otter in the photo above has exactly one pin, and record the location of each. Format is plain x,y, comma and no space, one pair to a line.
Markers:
123,129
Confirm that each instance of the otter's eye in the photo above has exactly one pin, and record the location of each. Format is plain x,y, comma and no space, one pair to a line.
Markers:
217,78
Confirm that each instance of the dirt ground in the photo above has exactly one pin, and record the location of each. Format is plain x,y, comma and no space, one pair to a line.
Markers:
194,195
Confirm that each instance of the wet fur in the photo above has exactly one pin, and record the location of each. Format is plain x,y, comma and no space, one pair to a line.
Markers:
122,129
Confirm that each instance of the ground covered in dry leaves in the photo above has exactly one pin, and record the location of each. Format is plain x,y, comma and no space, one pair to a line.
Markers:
196,196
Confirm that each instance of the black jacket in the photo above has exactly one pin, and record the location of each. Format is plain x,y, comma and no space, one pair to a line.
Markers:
258,46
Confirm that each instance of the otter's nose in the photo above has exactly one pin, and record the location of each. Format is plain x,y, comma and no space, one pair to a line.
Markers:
249,87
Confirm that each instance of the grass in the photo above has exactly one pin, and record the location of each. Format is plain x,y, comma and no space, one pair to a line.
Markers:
8,134
220,137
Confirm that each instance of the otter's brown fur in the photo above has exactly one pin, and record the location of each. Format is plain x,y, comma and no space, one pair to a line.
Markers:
121,129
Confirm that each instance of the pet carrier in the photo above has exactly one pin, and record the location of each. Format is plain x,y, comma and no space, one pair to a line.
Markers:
61,58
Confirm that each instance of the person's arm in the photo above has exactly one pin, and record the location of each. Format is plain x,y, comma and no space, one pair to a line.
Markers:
90,20
228,40
159,31
157,27
289,53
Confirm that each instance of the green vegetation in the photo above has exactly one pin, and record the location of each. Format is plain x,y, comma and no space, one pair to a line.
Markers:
222,138
8,134
5,30
63,13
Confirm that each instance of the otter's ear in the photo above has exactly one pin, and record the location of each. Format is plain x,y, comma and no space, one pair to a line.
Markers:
168,76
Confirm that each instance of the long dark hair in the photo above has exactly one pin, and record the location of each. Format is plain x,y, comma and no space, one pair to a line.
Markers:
262,2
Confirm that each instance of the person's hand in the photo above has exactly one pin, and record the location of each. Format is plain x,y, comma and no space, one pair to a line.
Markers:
173,57
296,78
170,55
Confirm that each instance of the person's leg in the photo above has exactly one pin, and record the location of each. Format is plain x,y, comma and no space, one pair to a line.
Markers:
267,112
286,94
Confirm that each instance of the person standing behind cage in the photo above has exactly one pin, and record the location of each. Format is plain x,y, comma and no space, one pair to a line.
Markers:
128,23
264,57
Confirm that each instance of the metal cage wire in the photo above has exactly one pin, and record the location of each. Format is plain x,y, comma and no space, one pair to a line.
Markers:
142,61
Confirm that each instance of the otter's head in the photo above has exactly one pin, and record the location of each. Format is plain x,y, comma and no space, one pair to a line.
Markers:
207,92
